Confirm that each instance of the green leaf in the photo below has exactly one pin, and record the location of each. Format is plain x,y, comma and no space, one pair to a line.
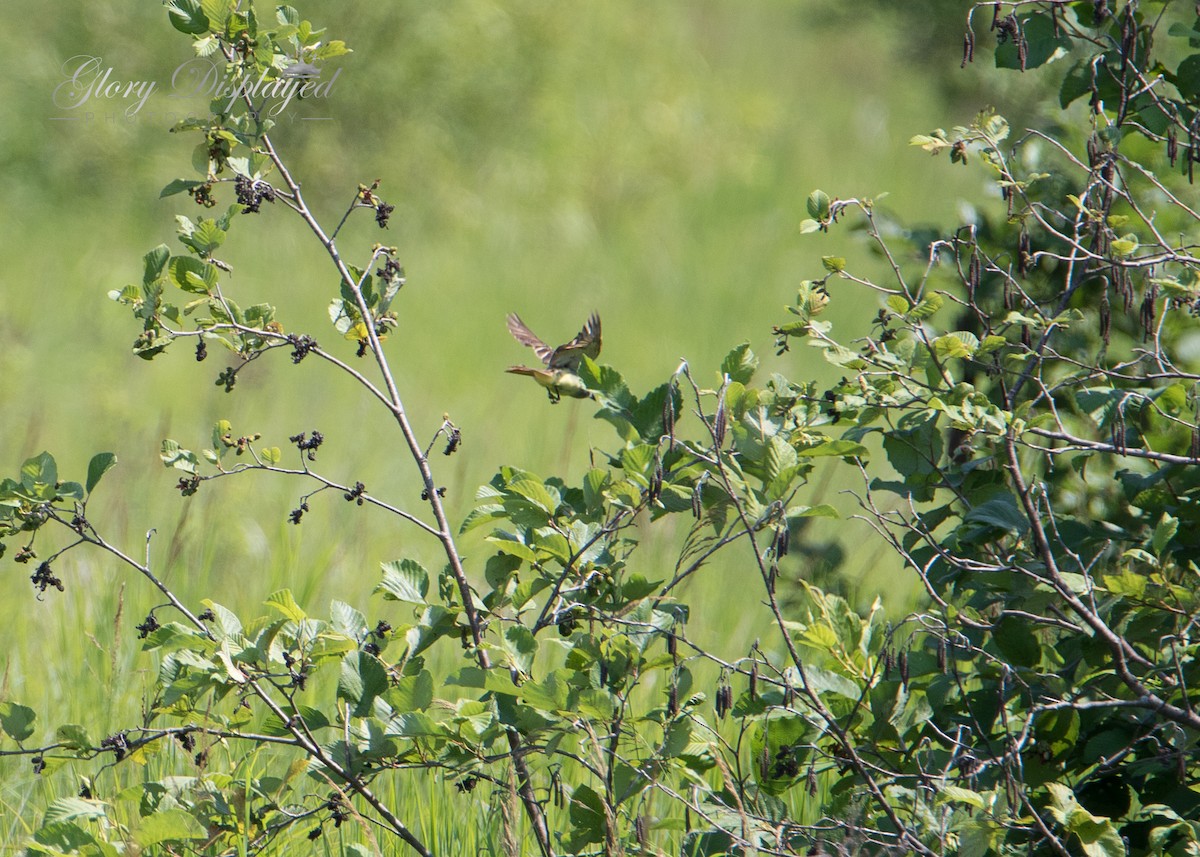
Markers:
17,720
1187,77
411,693
174,455
187,16
404,580
818,205
347,621
549,694
155,264
926,307
1043,43
1001,512
1125,246
39,470
192,275
66,837
68,808
178,186
1017,642
1164,531
101,463
842,448
283,601
587,818
521,647
172,825
740,364
362,678
535,492
961,344
73,736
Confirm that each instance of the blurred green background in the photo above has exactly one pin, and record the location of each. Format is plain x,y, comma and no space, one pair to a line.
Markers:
648,161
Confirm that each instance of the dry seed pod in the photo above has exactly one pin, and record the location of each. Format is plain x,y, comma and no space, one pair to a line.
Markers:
973,273
968,47
902,662
753,684
1024,253
720,422
1148,311
1105,316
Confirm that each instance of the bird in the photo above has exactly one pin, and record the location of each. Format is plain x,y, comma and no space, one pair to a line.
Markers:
560,375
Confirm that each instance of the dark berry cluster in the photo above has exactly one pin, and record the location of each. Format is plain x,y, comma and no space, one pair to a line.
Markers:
201,350
383,213
391,272
252,193
355,494
188,485
297,671
148,627
441,492
44,578
118,743
301,345
337,809
308,444
378,637
296,514
453,440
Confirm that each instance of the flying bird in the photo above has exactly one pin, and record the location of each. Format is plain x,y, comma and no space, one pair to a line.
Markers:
560,374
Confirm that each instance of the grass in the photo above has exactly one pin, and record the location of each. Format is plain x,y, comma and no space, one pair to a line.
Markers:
650,162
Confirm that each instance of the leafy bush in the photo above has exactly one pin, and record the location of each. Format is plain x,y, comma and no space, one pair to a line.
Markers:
1026,379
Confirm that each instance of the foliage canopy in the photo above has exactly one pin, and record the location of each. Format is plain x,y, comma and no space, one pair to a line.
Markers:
1027,379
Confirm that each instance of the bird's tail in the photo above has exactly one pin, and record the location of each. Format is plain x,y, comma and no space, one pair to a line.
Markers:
521,370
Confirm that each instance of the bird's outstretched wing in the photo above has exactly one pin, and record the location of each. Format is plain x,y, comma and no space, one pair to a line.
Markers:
587,342
525,336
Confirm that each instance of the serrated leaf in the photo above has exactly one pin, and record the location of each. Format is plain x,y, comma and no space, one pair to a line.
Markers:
284,602
174,455
404,580
740,364
65,809
187,16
